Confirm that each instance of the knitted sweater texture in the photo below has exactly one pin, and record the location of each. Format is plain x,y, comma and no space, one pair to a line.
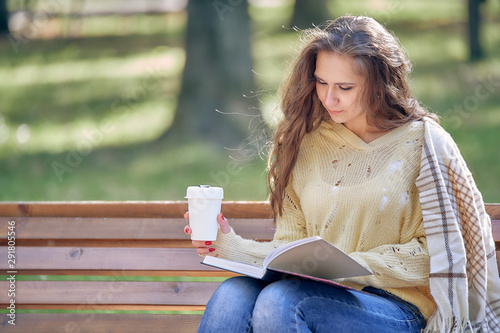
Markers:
362,198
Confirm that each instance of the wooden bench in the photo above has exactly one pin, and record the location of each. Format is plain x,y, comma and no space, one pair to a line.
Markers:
77,261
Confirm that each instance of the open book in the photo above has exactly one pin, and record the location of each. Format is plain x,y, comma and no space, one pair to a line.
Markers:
311,258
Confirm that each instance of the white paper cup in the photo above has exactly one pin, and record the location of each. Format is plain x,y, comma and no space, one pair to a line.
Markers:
204,204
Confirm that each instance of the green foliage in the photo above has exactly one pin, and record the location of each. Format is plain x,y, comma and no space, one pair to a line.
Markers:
80,115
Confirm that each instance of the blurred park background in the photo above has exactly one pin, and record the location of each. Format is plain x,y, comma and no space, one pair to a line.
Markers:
136,100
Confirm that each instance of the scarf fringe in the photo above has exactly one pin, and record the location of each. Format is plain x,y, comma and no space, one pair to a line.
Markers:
437,324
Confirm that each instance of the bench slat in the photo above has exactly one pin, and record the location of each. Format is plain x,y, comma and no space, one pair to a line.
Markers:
493,210
108,307
85,258
120,228
160,209
110,292
151,209
129,243
110,323
198,273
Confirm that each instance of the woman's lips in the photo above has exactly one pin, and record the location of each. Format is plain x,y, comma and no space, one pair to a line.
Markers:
335,112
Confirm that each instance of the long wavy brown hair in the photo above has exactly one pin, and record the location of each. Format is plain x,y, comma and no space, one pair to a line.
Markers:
387,97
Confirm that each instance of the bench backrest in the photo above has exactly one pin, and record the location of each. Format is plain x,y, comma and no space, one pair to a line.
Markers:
117,241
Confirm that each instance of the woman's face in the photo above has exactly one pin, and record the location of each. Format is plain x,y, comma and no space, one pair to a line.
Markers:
339,89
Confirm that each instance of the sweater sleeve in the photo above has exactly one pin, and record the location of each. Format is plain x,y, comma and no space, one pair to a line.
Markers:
396,265
290,227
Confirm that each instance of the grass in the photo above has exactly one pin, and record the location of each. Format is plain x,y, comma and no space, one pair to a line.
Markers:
83,104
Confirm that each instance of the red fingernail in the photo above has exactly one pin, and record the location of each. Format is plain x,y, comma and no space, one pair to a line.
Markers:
211,249
208,243
186,230
222,217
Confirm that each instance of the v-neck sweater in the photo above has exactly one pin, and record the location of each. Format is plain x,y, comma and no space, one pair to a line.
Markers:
362,198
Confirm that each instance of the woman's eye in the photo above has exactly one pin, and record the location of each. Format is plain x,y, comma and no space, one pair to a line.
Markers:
321,82
345,88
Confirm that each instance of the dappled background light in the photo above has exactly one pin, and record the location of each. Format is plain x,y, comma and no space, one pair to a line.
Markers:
91,90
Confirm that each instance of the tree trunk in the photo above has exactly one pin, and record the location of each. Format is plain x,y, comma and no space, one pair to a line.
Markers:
476,51
217,74
307,13
4,18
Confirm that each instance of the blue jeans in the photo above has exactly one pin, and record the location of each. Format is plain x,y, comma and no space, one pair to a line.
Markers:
243,304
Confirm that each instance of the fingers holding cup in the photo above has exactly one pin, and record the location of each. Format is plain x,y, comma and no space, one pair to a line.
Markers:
224,224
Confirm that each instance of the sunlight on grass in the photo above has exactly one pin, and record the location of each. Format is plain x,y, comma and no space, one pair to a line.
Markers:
97,93
160,61
142,122
271,16
169,173
140,24
129,117
392,11
422,49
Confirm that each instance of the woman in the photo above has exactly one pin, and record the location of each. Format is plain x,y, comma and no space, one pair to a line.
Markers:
357,161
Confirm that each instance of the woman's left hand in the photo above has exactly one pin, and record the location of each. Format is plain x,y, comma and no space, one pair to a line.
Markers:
205,247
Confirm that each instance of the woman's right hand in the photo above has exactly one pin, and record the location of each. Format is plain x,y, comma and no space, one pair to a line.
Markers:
206,247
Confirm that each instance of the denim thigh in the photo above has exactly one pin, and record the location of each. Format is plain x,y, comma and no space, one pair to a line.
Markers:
243,304
308,306
231,306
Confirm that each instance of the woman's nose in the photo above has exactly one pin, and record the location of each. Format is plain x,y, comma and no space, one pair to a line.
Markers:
331,99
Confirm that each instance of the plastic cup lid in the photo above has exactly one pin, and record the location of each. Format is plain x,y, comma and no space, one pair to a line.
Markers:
204,191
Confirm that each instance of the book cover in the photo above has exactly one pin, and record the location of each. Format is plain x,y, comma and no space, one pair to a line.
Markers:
309,258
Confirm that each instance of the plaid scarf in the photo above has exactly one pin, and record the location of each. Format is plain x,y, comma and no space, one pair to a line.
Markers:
463,277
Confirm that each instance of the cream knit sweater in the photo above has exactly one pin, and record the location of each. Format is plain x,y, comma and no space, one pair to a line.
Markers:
362,198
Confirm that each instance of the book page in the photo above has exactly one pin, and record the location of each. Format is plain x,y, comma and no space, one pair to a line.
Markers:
235,266
287,247
319,258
